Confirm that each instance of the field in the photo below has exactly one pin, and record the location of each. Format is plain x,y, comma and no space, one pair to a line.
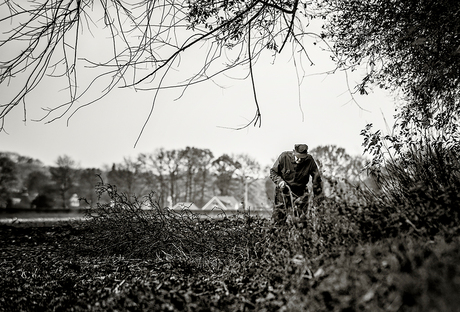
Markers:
248,265
339,255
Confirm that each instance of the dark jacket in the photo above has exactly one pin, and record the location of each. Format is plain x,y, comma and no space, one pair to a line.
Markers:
296,175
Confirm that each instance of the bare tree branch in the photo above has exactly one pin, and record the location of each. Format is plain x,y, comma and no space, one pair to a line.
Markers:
147,39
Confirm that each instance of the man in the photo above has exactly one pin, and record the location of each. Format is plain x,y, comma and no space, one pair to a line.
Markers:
293,169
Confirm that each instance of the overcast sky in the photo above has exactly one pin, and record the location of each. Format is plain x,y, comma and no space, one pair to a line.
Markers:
318,112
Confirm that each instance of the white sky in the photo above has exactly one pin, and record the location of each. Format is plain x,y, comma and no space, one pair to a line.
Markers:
105,132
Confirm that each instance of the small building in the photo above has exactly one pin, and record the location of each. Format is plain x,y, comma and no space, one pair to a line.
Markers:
74,201
222,202
19,200
185,205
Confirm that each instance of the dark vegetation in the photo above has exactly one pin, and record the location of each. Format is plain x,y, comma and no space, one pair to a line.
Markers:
354,251
394,247
47,269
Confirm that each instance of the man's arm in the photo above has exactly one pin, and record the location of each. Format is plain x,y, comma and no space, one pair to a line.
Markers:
274,172
316,180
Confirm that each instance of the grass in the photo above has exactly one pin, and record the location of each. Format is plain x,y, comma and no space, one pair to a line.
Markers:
353,252
45,269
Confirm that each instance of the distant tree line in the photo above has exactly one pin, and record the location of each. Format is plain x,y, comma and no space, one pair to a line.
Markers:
182,175
178,175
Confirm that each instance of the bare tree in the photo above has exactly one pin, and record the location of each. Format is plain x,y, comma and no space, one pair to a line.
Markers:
190,160
149,40
203,175
64,177
88,179
153,163
165,164
407,46
248,173
224,170
172,158
335,162
128,176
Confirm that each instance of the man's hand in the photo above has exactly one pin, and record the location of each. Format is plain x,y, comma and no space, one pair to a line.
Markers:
282,184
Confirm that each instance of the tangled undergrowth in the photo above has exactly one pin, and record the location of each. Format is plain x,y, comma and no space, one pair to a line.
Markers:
132,255
44,270
133,227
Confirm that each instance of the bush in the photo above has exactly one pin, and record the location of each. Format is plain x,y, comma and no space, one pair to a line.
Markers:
43,201
419,186
139,227
334,257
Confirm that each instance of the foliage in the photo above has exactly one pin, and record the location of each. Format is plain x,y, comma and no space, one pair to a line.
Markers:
55,267
38,182
28,171
128,175
342,175
88,179
8,179
202,159
345,252
162,164
408,46
44,201
64,178
225,168
418,179
195,161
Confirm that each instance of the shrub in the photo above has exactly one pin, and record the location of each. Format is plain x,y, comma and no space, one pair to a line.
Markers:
419,184
139,227
43,201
